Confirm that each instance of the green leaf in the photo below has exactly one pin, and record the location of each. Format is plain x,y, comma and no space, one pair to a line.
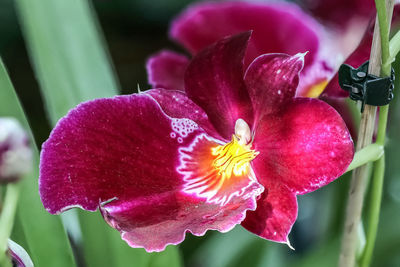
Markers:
9,103
236,248
67,53
72,67
118,253
169,257
44,233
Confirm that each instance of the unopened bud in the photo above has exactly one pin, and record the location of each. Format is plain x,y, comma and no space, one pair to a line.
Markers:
15,152
20,257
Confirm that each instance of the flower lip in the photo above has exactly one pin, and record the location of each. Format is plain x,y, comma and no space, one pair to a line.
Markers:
222,170
217,171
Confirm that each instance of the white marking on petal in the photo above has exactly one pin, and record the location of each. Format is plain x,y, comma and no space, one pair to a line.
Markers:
183,127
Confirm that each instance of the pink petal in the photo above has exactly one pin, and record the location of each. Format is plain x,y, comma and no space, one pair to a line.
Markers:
305,146
140,218
203,24
275,214
342,107
214,81
271,80
176,104
166,69
194,216
123,155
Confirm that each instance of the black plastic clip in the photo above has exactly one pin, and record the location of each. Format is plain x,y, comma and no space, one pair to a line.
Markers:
364,87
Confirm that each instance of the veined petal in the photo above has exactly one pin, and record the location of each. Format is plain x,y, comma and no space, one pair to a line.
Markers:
305,146
203,24
275,214
123,154
206,201
176,104
216,171
271,80
214,81
166,70
195,216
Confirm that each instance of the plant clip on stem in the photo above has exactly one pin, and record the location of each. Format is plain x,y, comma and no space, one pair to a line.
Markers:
365,87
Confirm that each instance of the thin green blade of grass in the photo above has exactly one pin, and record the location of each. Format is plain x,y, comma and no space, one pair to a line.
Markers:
45,236
69,58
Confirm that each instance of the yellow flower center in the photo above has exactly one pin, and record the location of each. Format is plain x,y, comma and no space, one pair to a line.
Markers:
315,90
233,158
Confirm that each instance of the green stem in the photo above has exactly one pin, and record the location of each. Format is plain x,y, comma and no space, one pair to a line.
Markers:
368,154
394,46
383,117
376,197
384,28
379,166
7,220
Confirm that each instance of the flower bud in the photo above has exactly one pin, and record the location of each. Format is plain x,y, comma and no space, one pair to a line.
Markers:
15,152
20,257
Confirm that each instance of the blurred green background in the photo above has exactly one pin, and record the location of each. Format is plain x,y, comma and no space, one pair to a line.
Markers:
133,30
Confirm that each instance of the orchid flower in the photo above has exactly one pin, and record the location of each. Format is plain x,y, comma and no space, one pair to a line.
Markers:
232,149
277,28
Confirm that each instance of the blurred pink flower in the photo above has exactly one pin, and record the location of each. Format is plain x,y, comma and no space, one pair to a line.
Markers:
340,13
277,28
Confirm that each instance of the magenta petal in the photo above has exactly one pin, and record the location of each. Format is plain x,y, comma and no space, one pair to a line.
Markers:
271,80
342,107
275,214
203,24
166,70
153,222
305,146
193,216
123,155
96,152
214,81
